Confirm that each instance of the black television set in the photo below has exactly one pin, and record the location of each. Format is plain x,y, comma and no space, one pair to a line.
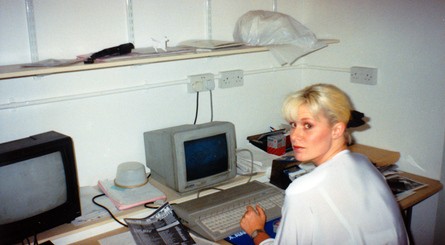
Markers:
38,185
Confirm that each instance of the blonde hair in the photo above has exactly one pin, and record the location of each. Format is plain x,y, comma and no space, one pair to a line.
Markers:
327,99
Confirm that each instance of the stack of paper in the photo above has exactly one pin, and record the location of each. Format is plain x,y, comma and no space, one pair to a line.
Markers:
262,161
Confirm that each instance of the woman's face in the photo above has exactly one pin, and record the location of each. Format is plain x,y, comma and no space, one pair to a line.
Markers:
312,137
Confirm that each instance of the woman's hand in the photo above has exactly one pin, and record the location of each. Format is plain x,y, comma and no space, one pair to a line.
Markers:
253,219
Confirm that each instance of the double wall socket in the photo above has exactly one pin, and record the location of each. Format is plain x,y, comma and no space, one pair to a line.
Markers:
201,82
229,79
364,75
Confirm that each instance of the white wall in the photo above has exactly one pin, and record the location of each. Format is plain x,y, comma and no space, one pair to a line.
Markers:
404,40
107,130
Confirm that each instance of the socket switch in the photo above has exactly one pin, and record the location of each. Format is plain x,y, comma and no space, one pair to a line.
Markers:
229,79
201,82
364,75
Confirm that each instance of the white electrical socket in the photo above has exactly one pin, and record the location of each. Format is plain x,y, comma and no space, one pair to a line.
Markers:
364,75
201,82
229,79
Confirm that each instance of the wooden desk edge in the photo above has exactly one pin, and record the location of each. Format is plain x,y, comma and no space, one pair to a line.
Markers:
434,186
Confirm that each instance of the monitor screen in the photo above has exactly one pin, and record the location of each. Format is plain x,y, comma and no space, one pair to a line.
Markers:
188,158
206,156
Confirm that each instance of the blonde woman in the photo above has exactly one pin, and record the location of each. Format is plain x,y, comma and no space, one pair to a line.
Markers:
344,200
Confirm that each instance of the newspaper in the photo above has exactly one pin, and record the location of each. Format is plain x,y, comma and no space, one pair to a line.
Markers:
160,227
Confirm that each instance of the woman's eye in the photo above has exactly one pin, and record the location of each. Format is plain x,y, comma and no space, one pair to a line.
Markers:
293,124
307,125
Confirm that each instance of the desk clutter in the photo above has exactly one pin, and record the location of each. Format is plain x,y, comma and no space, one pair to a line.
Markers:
284,169
130,188
275,142
384,160
128,51
124,198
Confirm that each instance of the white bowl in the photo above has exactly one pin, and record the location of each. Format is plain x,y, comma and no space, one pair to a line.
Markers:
130,175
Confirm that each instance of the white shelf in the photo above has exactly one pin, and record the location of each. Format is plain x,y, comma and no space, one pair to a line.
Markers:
16,71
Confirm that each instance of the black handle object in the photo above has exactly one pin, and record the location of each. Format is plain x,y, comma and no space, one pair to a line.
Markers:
118,50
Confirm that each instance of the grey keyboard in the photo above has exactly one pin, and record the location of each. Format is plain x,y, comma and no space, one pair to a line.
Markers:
217,216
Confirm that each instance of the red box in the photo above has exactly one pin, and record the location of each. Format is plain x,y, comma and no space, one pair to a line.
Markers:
276,144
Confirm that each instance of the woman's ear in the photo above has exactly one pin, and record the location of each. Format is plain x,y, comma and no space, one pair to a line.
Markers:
338,130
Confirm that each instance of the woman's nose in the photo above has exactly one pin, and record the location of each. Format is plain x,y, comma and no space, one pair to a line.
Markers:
295,134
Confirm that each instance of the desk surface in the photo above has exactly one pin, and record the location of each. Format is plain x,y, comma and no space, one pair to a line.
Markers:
433,187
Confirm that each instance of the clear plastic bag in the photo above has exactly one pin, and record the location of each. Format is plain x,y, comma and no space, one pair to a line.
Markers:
265,28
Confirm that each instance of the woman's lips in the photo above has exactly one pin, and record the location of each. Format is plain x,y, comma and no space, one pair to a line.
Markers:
297,148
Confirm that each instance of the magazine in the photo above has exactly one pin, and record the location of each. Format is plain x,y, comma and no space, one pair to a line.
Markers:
160,227
402,186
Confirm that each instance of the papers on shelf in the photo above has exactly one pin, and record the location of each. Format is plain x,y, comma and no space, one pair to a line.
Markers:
53,63
191,46
124,198
211,44
153,51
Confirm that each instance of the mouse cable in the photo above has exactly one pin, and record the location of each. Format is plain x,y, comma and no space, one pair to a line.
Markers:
109,212
251,164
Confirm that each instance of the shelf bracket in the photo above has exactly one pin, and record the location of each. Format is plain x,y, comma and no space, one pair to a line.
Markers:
209,19
30,21
130,21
